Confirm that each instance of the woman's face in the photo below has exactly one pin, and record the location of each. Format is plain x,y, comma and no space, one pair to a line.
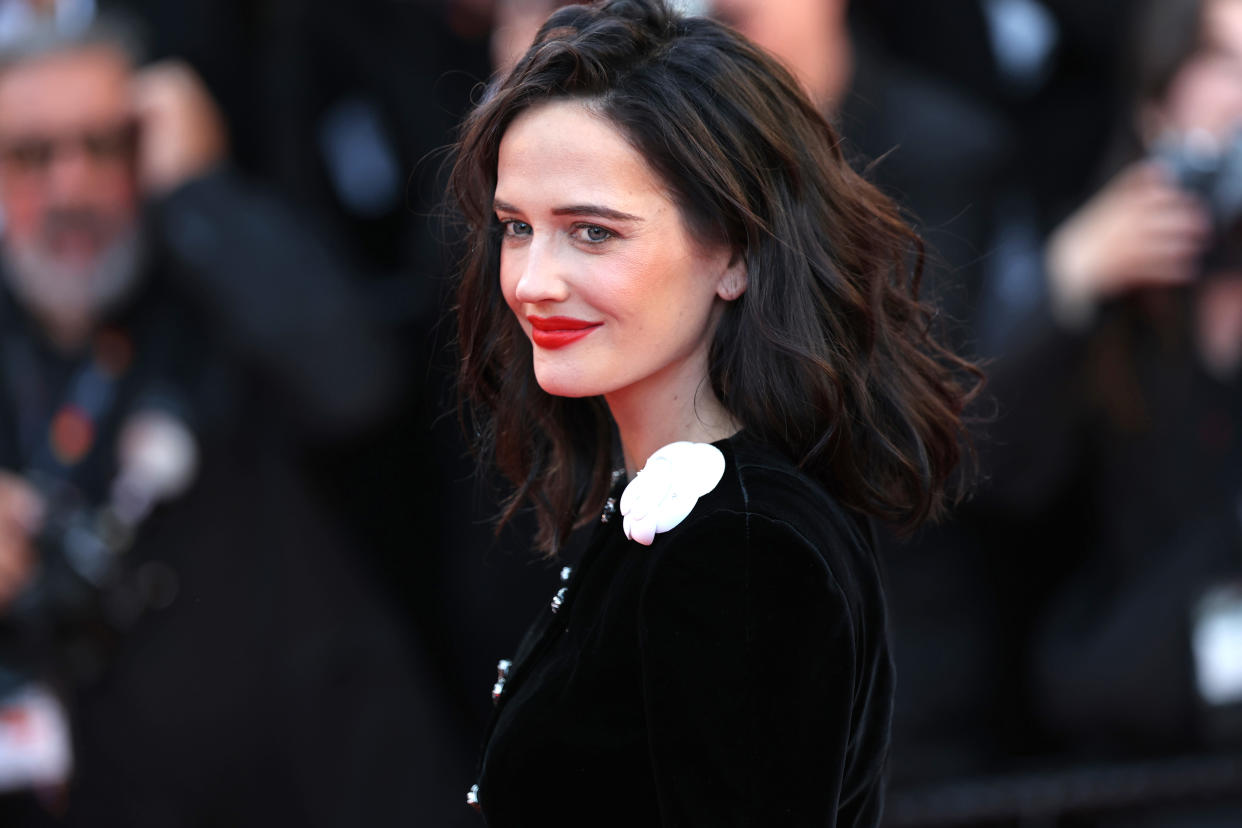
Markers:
1206,93
617,294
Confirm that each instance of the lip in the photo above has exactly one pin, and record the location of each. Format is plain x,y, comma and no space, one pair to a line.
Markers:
558,331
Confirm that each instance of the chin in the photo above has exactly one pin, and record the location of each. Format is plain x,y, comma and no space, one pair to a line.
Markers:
558,384
566,389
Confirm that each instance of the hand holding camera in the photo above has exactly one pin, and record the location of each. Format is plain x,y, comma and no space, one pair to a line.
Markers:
21,517
1141,230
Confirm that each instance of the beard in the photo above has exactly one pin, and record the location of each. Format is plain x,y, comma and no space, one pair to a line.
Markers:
74,293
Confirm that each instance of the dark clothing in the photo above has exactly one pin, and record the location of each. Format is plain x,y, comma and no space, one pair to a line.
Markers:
275,689
736,672
280,299
1129,453
265,680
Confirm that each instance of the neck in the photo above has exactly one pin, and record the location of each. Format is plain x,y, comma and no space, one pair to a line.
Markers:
679,405
65,325
67,334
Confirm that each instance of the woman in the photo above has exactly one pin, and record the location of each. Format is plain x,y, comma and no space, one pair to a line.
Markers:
1125,438
670,256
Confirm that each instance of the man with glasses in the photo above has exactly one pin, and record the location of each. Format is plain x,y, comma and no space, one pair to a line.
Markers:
169,338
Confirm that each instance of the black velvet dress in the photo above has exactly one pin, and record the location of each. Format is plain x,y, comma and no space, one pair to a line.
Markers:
735,672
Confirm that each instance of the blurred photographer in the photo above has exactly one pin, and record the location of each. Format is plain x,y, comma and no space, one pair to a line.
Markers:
186,637
1170,217
1120,435
70,256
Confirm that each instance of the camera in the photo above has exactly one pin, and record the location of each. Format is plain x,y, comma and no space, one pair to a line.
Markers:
85,591
78,563
1210,169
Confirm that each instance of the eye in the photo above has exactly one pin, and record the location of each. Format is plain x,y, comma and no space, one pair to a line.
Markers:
592,233
111,144
29,154
512,228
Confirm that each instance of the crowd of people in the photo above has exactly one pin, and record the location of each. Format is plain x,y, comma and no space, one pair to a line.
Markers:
247,567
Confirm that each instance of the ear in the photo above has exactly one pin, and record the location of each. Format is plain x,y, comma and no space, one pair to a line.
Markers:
732,282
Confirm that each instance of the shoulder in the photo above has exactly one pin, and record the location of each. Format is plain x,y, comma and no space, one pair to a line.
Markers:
767,535
772,488
761,639
762,498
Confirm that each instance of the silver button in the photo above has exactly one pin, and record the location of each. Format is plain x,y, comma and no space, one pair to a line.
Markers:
558,600
472,797
566,571
502,674
610,509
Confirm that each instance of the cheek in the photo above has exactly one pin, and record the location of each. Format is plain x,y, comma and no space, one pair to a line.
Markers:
115,196
631,286
123,197
508,277
23,211
1206,96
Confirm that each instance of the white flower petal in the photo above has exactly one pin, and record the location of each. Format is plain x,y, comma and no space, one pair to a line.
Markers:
643,532
699,467
664,493
674,512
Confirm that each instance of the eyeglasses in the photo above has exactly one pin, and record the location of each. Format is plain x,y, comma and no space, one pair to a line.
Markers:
33,155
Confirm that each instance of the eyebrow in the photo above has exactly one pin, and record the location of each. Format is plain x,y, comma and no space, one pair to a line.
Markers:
595,210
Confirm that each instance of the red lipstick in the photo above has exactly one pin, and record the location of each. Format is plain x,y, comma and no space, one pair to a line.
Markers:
558,331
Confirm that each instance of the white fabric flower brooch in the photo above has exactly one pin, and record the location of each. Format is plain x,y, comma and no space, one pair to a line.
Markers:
663,493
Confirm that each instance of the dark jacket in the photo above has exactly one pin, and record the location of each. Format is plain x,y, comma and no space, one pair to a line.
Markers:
736,672
1127,452
268,681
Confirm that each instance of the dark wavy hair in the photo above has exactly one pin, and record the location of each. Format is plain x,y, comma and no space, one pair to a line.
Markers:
827,356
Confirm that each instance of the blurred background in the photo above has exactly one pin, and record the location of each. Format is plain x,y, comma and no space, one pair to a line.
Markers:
246,569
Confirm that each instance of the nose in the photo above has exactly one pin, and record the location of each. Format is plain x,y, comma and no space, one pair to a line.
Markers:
543,274
70,177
